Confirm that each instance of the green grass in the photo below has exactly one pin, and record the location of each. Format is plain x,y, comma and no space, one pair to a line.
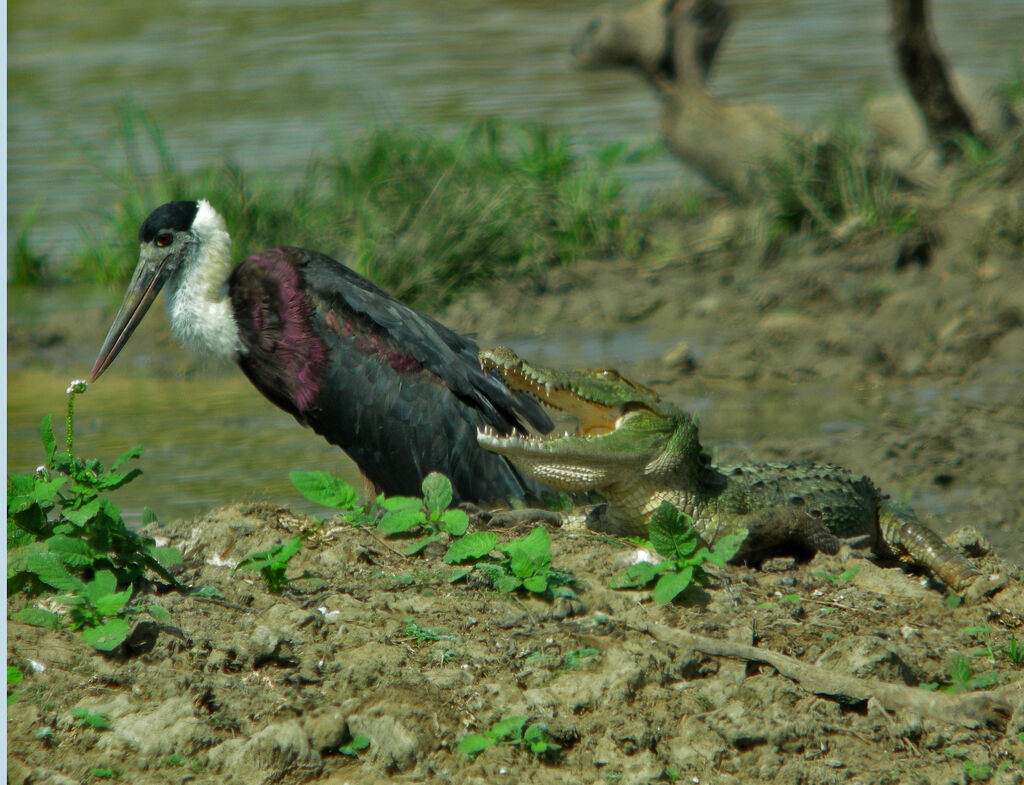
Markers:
822,183
422,213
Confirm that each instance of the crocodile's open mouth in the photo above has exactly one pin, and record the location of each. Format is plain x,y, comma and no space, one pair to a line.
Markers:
593,418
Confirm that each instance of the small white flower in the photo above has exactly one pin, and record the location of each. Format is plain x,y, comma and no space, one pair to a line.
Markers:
77,386
642,554
36,666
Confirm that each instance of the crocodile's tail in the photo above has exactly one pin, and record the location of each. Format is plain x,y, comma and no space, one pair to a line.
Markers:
906,536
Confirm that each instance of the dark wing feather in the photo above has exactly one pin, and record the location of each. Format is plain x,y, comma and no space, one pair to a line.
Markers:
400,393
450,355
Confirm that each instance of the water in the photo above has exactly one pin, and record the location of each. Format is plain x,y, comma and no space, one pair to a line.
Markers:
270,85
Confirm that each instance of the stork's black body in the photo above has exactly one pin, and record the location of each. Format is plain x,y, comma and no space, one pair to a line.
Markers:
401,393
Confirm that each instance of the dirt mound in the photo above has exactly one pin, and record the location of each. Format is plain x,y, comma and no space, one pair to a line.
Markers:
250,687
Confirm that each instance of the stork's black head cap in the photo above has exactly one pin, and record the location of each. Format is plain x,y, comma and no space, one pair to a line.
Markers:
176,216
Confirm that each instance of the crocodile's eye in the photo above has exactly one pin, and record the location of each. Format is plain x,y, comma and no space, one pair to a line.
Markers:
610,373
163,239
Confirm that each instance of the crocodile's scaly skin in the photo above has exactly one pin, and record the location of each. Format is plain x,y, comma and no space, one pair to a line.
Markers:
646,451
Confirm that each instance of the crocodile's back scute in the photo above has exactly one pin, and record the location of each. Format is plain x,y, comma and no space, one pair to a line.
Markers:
846,503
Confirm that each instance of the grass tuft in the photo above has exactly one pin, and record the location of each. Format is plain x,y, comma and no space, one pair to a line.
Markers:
422,214
823,183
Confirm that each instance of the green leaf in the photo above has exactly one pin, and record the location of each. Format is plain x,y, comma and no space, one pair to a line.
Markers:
357,745
671,584
531,554
107,636
165,554
507,583
46,490
536,736
639,574
102,584
437,492
111,481
290,548
521,564
727,546
402,503
39,617
14,675
420,544
127,455
49,442
671,532
20,485
277,556
148,516
158,612
85,514
509,727
397,521
471,547
323,488
538,584
112,603
95,719
71,550
458,575
455,522
49,568
474,744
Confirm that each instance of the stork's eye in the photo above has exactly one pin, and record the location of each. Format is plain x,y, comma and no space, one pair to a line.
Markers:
164,239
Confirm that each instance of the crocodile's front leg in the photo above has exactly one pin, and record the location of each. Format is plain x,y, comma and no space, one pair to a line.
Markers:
772,527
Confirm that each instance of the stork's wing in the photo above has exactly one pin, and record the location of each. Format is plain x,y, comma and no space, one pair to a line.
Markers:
446,353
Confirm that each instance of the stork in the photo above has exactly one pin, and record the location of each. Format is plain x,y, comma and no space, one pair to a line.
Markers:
399,392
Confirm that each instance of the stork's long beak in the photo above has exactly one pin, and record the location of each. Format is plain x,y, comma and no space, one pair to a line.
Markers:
148,279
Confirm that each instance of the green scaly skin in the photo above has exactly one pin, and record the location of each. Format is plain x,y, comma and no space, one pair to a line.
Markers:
637,451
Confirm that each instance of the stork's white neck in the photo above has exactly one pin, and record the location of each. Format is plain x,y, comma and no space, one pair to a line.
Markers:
197,301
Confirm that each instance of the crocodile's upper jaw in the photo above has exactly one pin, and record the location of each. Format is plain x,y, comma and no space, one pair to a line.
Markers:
596,399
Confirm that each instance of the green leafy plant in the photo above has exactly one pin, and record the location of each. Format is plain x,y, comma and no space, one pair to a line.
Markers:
91,718
838,579
1012,650
105,773
673,537
420,634
355,746
526,565
429,516
323,488
64,536
273,563
14,677
59,510
572,660
509,730
960,677
96,607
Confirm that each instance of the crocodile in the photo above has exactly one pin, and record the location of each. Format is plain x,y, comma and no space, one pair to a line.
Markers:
636,451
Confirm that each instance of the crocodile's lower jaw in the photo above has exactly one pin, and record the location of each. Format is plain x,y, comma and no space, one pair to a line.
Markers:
519,444
541,459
